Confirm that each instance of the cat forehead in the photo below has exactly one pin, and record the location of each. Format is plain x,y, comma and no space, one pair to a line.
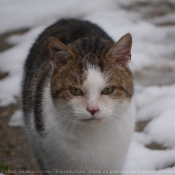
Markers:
90,48
95,80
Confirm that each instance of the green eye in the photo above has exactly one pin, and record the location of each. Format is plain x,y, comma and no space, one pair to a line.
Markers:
76,91
108,90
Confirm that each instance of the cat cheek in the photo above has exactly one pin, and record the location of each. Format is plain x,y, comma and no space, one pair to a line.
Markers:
78,103
104,99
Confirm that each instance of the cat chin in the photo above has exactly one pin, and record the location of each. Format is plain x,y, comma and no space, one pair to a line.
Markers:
92,121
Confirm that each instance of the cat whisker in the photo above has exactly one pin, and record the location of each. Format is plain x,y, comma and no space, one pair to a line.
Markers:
69,123
112,123
72,128
63,113
64,117
114,119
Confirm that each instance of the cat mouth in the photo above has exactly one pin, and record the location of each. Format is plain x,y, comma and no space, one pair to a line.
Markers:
92,120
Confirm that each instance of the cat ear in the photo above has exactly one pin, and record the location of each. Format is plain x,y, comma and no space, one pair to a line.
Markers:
59,53
121,50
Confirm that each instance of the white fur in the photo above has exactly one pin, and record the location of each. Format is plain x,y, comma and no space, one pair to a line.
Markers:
72,144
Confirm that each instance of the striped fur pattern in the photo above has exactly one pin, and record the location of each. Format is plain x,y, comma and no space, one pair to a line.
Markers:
77,97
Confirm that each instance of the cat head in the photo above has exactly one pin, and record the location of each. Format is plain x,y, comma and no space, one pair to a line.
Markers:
91,77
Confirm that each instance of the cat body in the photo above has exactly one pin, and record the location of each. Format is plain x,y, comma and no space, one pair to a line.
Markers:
77,96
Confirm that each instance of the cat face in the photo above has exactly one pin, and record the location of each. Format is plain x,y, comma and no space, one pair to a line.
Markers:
100,98
94,84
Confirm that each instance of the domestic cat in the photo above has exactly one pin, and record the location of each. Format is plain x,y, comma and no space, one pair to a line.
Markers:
77,98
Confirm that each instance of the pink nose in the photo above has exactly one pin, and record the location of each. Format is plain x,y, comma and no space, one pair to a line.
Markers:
92,110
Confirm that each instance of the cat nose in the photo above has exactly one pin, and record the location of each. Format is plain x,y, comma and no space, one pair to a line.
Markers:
92,110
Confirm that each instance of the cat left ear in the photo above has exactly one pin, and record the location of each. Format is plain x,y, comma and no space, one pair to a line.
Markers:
121,50
59,53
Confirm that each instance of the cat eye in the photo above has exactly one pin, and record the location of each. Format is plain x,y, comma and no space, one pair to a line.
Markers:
108,90
76,91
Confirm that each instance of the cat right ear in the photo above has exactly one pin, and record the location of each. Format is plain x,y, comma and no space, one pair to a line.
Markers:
59,53
121,51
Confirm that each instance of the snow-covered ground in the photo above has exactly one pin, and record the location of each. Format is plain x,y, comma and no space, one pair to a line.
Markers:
153,63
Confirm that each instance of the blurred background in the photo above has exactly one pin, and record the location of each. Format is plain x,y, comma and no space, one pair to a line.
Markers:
152,25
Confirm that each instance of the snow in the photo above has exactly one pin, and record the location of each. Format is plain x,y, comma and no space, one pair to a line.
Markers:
153,51
142,159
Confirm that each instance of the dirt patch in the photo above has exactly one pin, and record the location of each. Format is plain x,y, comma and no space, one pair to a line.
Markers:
14,151
139,127
156,8
3,44
159,75
156,146
3,75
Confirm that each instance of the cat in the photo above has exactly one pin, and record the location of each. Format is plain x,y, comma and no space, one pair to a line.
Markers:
77,98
